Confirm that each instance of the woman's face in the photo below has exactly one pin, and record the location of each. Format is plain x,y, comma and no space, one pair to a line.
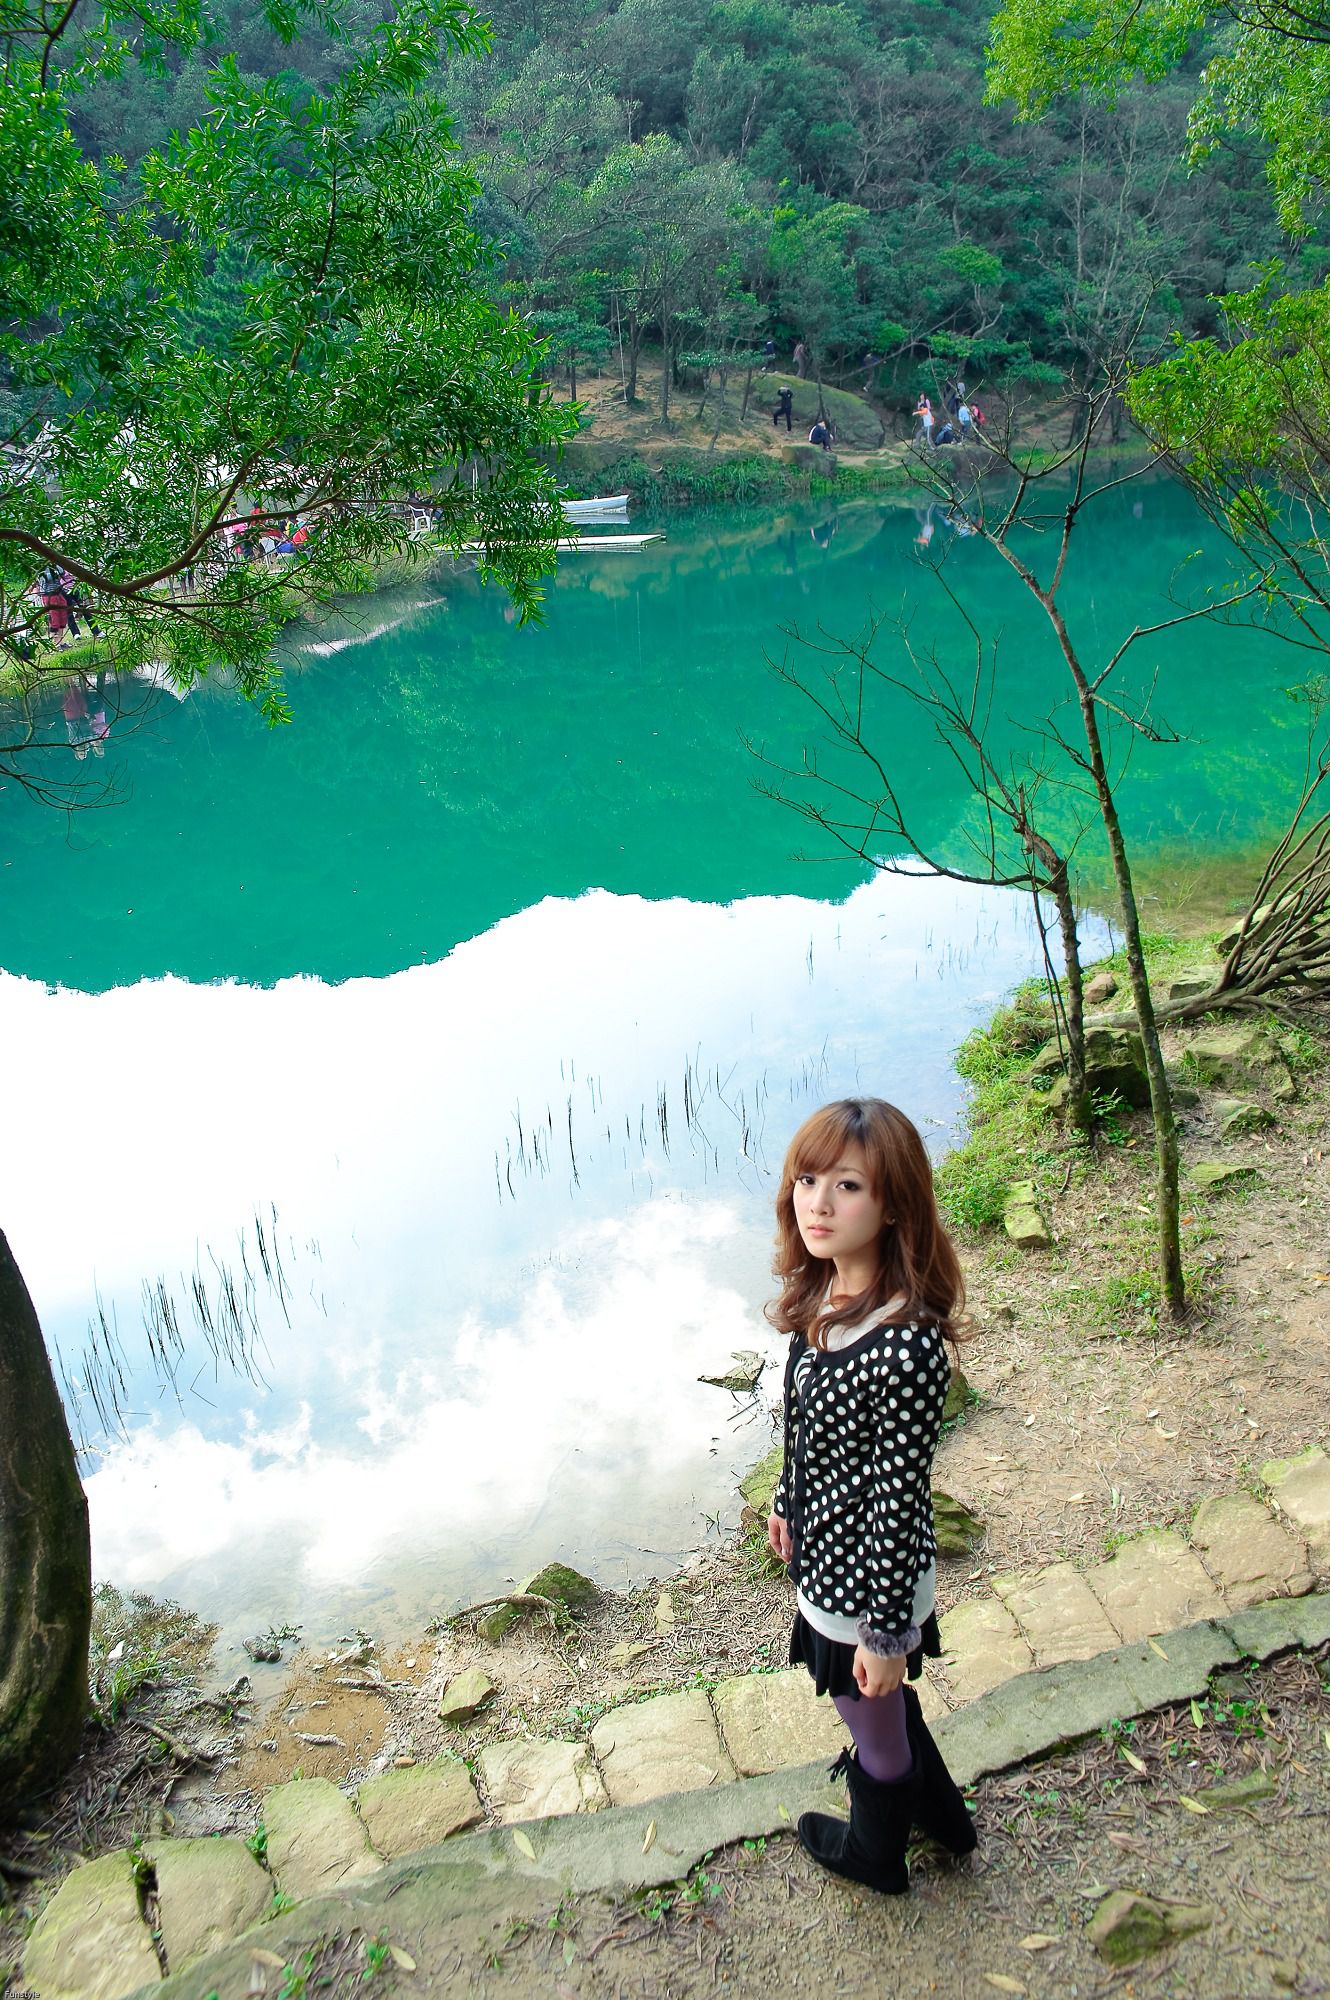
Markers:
838,1214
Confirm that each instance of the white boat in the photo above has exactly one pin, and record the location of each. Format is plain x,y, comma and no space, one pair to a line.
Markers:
578,510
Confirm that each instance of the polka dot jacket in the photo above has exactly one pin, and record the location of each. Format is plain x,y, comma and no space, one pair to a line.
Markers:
861,1428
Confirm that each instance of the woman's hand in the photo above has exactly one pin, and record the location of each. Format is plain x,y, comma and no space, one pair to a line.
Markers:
778,1535
877,1674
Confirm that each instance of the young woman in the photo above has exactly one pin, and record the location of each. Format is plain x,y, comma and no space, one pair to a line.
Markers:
871,1291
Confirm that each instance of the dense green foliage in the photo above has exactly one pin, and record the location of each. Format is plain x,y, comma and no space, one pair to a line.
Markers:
282,307
704,173
1243,408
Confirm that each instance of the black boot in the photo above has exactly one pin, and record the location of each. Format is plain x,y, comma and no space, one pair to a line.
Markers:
937,1807
870,1846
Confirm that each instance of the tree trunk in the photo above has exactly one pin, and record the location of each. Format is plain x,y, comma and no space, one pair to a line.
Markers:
1078,1097
748,390
1161,1102
45,1562
634,349
1058,879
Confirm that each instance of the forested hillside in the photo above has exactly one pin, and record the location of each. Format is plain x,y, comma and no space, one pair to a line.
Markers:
706,173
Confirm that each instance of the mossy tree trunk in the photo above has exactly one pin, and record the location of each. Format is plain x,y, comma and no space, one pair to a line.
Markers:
1071,1003
1161,1100
45,1561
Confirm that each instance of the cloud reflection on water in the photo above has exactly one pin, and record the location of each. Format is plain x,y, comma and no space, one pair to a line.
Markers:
471,1379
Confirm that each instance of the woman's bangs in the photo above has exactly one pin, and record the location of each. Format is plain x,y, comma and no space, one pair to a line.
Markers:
822,1142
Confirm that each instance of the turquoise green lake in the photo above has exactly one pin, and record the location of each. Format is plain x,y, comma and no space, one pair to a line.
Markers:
400,1093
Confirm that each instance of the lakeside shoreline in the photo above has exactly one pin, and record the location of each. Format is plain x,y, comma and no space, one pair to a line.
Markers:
1071,1366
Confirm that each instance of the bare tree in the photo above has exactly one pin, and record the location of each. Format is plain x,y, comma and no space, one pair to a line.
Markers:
868,816
1014,519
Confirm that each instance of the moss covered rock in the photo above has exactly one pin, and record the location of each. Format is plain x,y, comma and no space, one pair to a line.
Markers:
1127,1927
957,1529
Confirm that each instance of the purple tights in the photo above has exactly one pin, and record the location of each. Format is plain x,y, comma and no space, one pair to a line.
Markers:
879,1732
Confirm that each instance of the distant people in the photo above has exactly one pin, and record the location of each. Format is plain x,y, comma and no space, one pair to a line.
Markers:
949,397
51,591
870,365
976,418
964,420
800,359
784,408
946,433
74,600
768,355
923,419
820,435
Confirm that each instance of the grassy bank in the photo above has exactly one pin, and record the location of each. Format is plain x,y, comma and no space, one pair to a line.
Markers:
1014,1136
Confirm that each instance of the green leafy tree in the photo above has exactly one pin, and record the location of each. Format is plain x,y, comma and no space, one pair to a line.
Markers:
361,359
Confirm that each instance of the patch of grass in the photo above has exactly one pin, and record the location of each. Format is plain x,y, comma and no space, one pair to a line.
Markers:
136,1642
1008,1126
1166,957
1303,1051
685,480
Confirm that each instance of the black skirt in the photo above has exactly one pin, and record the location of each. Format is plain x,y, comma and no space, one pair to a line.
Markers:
832,1664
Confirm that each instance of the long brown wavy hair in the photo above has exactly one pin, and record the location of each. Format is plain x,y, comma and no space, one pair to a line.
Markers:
917,1259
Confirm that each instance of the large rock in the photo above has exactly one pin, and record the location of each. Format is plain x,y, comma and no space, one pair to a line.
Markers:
1210,1174
1100,989
418,1807
770,1720
959,1395
1228,1058
1190,986
1153,1584
670,1744
1023,1220
1127,1927
563,1585
1301,1490
956,1528
208,1892
1239,1115
1238,1794
758,1487
465,1695
530,1780
315,1841
1114,1064
1250,1554
90,1942
743,1377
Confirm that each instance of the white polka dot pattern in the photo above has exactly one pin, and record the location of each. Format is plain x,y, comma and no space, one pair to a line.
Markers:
862,1426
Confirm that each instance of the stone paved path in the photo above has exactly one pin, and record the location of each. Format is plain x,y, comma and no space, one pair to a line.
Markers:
92,1943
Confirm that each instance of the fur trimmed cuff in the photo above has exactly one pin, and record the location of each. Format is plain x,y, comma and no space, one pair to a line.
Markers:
887,1645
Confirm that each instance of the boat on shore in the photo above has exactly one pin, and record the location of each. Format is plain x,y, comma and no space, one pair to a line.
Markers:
581,510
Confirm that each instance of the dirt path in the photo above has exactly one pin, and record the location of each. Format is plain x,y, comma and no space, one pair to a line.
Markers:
1057,1837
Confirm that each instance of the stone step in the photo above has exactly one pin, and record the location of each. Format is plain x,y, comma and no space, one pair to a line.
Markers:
627,1848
